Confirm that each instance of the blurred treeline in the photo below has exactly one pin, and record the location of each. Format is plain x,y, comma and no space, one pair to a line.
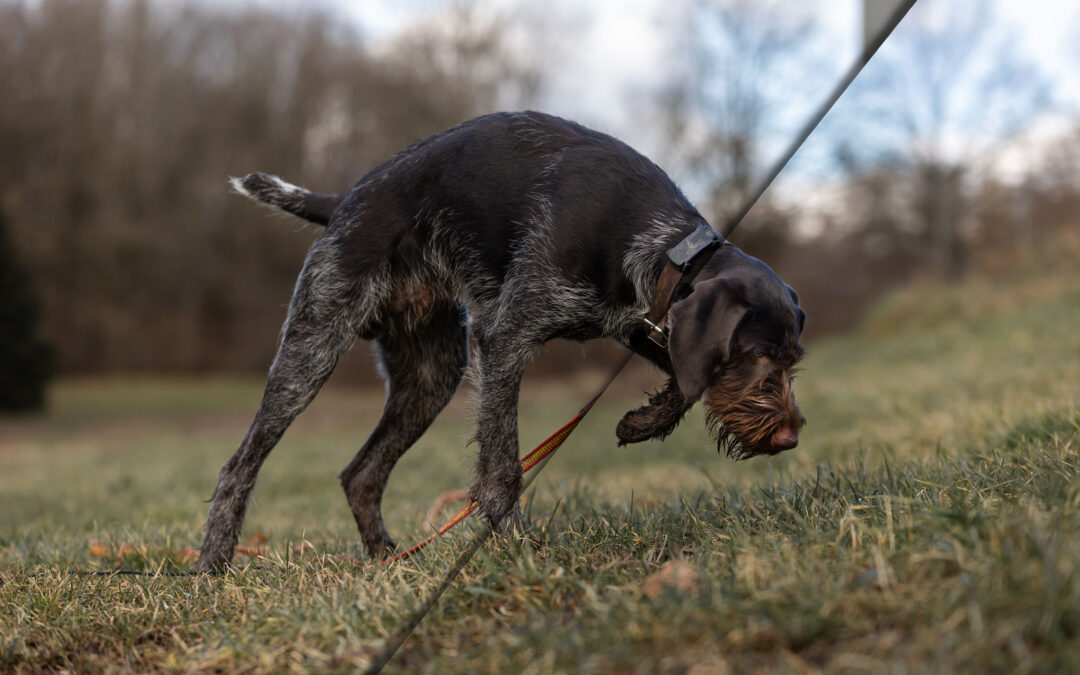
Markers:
924,168
120,121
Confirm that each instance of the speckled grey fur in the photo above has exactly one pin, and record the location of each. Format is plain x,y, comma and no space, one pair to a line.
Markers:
404,262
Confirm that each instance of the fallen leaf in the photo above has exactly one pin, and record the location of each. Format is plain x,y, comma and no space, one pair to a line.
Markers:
675,574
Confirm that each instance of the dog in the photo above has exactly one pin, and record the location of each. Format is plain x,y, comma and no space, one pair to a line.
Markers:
514,229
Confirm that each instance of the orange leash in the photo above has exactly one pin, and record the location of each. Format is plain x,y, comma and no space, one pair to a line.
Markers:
528,462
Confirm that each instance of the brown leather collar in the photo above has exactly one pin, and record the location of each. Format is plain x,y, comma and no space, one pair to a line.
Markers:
684,261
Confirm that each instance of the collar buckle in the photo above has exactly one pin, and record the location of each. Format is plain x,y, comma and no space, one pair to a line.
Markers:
657,334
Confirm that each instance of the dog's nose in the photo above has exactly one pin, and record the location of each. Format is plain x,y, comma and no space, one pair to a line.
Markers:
785,439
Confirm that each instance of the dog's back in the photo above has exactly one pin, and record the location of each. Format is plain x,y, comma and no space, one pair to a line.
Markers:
469,201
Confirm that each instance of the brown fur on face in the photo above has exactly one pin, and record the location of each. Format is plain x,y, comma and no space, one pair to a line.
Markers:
751,409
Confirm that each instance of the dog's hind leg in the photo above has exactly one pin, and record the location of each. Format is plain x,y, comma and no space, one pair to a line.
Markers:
318,329
423,364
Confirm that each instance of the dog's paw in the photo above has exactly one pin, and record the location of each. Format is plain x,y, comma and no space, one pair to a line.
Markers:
213,562
635,426
381,550
512,524
513,529
502,513
657,419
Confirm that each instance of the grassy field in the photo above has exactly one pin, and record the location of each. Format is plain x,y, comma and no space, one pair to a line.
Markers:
929,521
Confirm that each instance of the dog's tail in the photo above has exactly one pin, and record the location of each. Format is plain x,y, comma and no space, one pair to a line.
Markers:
293,199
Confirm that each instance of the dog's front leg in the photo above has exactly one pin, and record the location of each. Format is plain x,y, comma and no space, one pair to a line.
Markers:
497,487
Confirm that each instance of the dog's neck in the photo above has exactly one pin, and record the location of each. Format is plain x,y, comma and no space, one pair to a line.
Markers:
647,257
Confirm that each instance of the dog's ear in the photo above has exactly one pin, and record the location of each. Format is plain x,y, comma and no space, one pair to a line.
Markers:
800,315
702,328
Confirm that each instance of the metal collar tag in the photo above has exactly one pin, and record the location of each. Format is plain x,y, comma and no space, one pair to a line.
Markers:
701,239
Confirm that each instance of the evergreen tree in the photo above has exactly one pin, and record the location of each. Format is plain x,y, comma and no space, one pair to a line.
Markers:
25,362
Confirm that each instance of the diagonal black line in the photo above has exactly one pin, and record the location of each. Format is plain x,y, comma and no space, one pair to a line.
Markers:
392,645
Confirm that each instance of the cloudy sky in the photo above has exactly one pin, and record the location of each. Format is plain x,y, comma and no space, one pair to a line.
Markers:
619,44
613,55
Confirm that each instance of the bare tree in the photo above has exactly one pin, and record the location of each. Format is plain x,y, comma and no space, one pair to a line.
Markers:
25,363
738,59
121,120
475,55
946,92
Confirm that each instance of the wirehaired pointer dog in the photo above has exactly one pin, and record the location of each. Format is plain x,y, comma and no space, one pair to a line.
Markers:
517,228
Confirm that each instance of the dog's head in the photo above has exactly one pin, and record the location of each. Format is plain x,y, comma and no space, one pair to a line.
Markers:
735,340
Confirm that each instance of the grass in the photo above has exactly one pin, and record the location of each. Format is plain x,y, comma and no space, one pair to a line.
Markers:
929,521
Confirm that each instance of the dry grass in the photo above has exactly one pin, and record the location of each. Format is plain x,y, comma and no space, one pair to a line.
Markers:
930,521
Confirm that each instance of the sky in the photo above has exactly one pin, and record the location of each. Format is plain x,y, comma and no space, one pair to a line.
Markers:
619,45
613,55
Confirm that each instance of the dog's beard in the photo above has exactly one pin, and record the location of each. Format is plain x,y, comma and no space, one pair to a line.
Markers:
744,418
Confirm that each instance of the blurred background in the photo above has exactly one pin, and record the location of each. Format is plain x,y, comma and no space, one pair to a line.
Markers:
122,252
